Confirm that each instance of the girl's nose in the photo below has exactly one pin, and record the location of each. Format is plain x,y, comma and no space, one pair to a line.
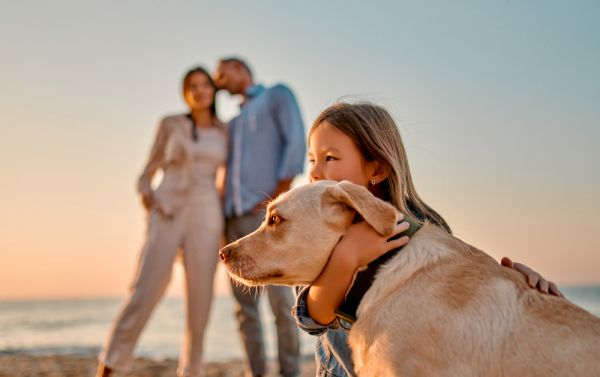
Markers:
315,172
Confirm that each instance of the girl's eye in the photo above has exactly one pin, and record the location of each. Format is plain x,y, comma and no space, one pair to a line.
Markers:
274,219
311,161
330,158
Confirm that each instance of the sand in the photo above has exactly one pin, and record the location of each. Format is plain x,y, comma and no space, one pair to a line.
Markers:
19,365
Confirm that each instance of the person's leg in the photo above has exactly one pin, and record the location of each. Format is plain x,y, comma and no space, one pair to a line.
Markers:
250,327
200,253
247,301
153,275
103,371
288,341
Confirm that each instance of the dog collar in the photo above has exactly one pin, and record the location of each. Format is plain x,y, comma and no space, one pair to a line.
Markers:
364,278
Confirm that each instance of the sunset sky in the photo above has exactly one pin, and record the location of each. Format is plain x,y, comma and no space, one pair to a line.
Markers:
498,104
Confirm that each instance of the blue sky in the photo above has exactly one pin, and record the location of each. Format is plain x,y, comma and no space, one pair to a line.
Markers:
497,102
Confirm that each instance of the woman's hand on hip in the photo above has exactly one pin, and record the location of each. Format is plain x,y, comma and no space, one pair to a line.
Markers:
148,201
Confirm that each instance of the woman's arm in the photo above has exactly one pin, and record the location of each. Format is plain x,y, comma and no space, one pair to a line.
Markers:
359,246
221,176
155,161
220,180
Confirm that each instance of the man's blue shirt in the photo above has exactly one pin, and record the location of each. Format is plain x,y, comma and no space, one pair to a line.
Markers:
267,144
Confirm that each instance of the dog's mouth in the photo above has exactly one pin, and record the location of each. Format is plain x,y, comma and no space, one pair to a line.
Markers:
241,271
254,280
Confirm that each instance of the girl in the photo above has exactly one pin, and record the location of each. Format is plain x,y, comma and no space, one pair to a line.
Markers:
361,143
189,148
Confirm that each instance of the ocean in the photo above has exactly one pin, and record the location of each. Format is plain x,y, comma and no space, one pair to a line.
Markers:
80,326
41,327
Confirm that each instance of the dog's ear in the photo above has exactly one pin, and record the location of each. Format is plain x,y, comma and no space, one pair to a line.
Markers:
379,214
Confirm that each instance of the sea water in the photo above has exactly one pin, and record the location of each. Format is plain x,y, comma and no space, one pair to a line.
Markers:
81,326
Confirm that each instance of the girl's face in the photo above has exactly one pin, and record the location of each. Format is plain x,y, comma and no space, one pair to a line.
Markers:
199,93
334,156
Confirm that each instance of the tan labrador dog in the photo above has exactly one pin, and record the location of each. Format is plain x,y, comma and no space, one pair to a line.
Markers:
440,307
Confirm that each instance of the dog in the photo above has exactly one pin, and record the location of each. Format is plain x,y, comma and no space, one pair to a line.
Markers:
439,307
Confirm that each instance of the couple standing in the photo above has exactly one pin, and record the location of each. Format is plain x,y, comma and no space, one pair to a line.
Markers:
263,149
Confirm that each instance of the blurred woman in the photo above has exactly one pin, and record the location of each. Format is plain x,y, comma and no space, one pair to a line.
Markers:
184,215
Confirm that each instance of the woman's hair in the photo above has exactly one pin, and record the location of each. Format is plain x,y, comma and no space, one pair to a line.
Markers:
374,132
186,83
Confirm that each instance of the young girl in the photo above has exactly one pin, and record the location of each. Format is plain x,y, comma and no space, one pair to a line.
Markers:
361,143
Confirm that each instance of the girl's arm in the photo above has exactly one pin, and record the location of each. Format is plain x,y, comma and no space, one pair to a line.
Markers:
362,244
359,246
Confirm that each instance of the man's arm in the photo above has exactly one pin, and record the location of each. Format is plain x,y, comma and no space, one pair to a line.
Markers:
291,126
282,186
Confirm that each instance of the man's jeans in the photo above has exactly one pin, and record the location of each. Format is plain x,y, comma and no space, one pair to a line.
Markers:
281,300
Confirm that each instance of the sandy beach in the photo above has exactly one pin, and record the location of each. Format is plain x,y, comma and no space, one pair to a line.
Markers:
81,366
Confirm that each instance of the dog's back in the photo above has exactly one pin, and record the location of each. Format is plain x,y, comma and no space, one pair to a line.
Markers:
443,308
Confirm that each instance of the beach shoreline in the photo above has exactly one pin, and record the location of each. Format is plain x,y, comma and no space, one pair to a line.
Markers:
25,365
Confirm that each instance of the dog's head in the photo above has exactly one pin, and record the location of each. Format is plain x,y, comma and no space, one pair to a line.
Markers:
301,228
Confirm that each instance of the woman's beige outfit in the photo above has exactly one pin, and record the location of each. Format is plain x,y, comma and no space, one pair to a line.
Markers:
186,216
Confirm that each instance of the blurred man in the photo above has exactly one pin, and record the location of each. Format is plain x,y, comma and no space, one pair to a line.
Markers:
267,146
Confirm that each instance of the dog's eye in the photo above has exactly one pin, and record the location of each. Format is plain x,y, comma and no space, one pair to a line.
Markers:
274,219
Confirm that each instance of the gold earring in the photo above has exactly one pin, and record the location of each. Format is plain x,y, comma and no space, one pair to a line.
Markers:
373,182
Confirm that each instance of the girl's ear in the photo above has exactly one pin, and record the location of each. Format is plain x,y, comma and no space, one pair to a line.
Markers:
377,172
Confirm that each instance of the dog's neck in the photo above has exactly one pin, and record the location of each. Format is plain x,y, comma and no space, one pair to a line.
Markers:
364,278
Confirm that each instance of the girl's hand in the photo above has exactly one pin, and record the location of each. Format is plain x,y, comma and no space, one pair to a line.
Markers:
534,279
362,244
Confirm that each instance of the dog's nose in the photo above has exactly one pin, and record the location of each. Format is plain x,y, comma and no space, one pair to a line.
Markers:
225,253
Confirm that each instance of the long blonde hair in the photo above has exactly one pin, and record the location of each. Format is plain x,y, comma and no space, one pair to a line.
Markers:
374,132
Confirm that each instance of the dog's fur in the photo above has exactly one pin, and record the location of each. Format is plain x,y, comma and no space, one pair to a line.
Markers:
438,308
